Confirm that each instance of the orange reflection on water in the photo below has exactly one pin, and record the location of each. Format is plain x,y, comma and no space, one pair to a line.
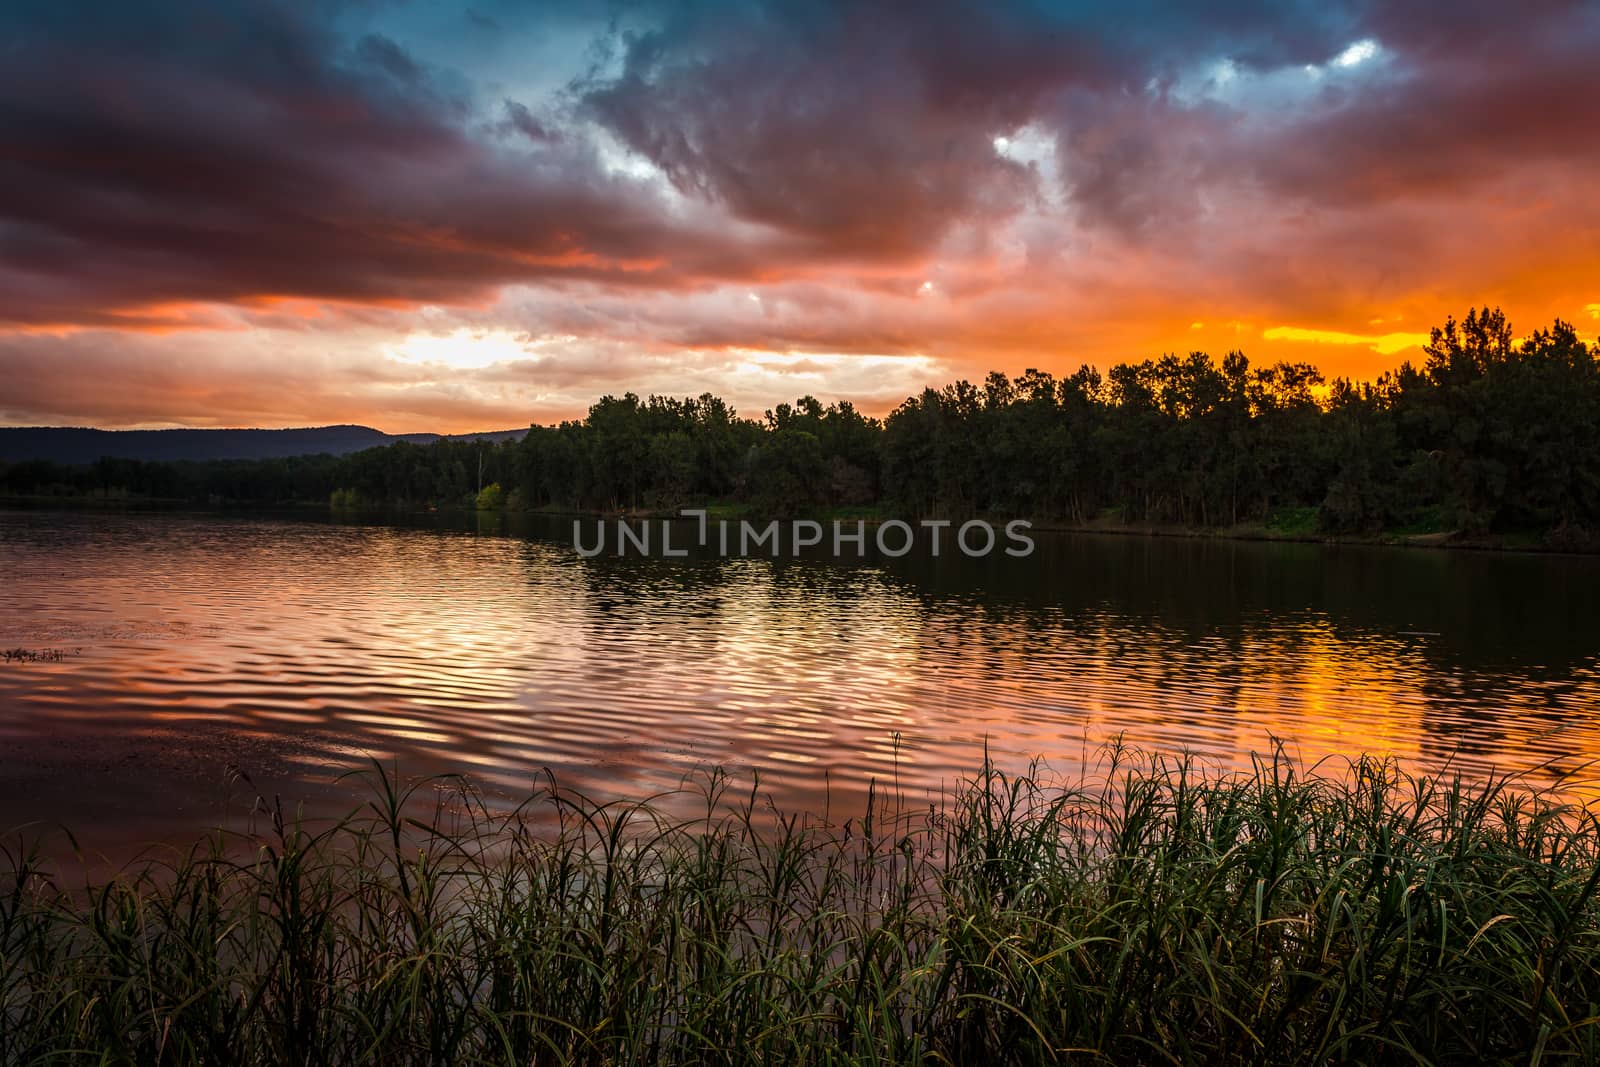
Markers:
222,658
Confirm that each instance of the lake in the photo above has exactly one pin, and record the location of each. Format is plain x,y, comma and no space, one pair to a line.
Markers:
207,660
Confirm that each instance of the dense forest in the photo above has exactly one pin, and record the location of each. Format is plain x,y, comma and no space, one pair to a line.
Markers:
1490,433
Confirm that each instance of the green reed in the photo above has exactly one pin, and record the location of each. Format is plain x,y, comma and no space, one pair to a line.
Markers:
1157,913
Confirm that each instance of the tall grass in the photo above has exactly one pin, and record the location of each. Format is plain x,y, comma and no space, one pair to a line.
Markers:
1156,914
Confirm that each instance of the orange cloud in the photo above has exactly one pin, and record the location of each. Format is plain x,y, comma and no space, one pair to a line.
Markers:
1387,344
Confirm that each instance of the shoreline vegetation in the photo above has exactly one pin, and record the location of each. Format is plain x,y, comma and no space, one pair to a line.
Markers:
1493,441
1155,912
1295,526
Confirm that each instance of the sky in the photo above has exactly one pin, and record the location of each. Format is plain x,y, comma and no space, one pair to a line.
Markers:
465,216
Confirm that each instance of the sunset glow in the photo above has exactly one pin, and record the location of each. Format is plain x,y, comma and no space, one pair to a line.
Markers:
456,218
462,348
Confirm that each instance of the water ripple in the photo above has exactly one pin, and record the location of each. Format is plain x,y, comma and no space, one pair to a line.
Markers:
205,648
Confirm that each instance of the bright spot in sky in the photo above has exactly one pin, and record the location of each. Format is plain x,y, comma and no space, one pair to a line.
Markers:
1387,344
925,288
1032,146
619,160
1357,53
462,348
1593,310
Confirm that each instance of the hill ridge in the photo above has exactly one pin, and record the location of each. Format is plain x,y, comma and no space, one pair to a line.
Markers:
78,445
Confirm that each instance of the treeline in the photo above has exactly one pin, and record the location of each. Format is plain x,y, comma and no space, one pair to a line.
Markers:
1489,433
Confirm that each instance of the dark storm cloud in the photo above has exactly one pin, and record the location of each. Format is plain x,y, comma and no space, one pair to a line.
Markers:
870,130
211,153
186,152
1474,100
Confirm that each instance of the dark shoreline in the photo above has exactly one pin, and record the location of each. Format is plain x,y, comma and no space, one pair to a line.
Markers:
1530,541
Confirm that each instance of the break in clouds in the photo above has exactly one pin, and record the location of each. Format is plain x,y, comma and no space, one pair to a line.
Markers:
462,216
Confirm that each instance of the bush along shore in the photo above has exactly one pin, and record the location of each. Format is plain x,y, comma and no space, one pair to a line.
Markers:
1160,913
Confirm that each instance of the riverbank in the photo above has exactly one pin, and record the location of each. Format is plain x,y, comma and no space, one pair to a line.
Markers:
1297,532
1292,526
1157,914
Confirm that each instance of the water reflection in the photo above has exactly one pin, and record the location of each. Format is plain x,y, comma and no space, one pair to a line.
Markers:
291,651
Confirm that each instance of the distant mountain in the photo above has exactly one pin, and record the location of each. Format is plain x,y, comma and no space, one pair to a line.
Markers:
79,445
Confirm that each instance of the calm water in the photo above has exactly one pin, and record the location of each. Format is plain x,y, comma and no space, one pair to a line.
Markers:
212,659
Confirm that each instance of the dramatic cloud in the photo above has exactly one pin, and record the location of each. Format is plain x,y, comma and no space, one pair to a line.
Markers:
453,217
155,160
